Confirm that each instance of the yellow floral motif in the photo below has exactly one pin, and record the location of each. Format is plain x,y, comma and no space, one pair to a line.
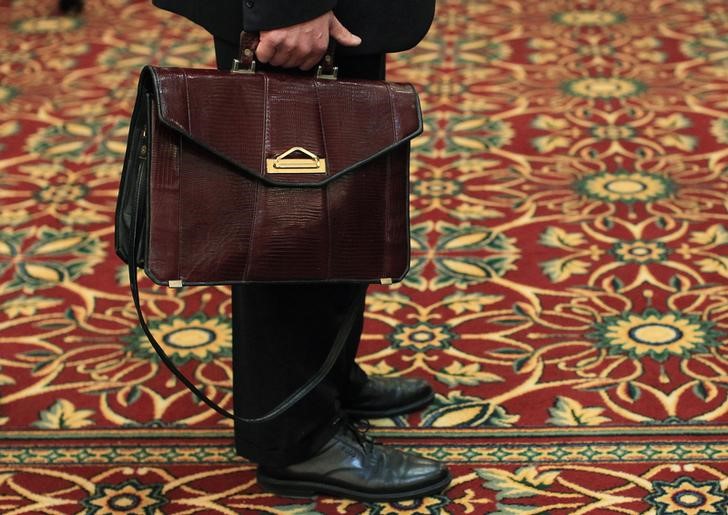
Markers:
688,497
62,193
655,334
45,25
626,187
130,497
198,338
613,132
589,18
435,188
639,251
422,337
604,87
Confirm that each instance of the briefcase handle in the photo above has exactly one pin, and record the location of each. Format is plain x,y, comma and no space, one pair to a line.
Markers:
245,63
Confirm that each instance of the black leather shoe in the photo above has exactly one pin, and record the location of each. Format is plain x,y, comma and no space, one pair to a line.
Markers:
388,396
351,465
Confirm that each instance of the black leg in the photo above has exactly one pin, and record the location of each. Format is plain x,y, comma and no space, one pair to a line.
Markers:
70,6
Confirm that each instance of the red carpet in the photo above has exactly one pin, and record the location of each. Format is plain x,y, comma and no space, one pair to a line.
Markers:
568,296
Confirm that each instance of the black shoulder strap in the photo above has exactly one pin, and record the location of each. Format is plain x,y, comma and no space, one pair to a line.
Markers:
326,367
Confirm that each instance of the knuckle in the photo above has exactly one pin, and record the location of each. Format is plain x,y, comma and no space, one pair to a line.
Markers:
320,46
274,37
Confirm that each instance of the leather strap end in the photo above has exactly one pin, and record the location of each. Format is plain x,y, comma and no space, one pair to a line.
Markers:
248,44
327,62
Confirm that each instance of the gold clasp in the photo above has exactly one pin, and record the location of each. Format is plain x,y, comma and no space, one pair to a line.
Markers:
284,164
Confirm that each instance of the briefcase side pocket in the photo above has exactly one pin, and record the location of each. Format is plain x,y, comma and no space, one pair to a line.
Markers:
132,193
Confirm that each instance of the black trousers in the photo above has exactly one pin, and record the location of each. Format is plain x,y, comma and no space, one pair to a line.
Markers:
282,334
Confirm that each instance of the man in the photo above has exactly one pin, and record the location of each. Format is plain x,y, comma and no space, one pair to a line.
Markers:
282,333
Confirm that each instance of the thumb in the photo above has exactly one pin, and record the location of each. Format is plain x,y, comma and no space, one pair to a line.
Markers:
341,34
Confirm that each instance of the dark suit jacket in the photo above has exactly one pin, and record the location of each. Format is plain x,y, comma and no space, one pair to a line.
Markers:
383,25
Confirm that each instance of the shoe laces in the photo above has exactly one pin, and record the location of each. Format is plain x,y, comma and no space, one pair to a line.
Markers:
360,430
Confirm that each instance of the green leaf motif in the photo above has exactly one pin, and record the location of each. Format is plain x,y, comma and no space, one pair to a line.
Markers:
457,410
712,237
10,242
389,303
546,144
57,255
415,279
465,255
38,275
633,391
470,375
64,415
133,395
717,264
570,413
463,271
462,302
63,140
27,306
700,391
559,270
382,368
524,482
557,237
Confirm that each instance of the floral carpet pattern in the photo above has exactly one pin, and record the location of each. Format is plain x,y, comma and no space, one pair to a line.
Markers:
568,296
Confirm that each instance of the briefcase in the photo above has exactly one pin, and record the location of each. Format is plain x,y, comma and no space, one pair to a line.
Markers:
267,177
244,176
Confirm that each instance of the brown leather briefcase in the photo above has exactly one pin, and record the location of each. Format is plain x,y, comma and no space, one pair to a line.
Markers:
267,177
236,177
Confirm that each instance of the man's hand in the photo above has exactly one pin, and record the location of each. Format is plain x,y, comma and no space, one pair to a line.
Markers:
303,45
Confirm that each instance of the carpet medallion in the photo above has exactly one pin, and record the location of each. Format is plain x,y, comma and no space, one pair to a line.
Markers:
568,296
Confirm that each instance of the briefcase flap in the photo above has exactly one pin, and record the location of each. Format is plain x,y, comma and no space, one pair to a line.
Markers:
286,129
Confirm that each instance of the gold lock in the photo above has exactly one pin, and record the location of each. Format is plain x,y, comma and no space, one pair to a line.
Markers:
285,164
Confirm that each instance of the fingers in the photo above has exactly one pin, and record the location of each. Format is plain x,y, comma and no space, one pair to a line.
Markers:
303,45
290,49
266,47
341,34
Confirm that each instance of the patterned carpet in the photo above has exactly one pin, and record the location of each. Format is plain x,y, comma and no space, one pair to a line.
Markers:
568,297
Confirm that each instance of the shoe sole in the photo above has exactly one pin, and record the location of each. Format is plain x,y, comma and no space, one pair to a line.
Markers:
293,488
399,410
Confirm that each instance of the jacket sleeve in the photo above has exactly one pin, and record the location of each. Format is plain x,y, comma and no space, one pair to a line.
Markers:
273,14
